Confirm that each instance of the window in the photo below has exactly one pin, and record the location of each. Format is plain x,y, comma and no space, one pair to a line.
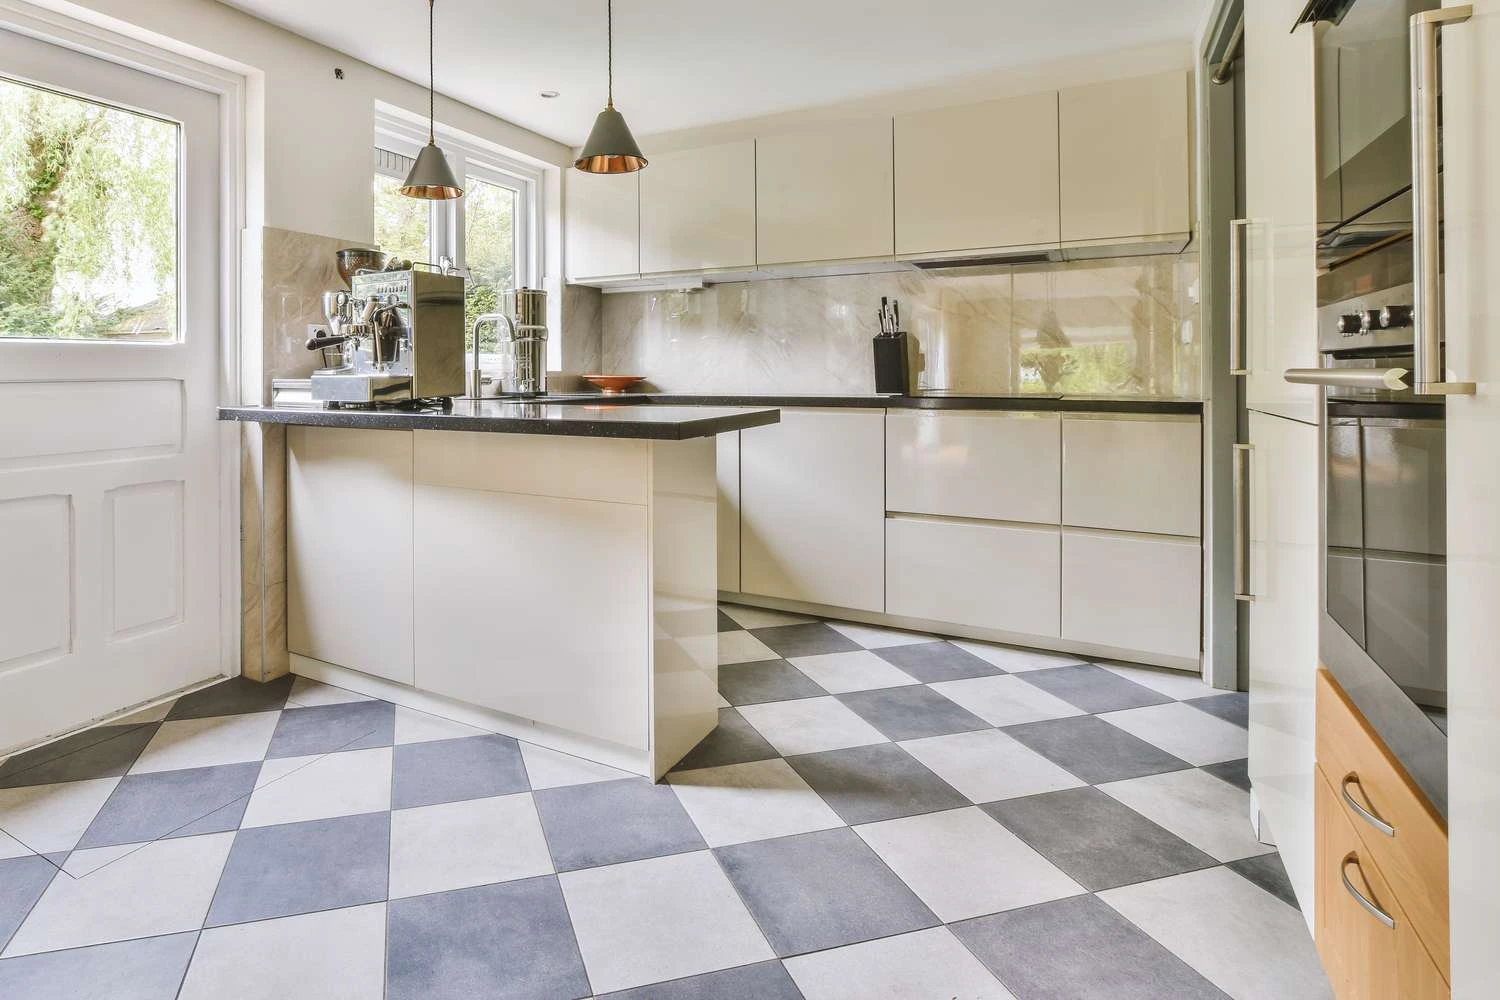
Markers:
489,232
88,219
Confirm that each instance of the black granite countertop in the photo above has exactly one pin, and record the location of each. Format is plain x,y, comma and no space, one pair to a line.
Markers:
569,416
919,401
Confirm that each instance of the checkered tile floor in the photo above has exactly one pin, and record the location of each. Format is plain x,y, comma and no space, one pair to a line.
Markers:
879,814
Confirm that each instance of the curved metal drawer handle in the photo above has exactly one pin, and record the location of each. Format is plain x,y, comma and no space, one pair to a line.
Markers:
1359,897
1364,814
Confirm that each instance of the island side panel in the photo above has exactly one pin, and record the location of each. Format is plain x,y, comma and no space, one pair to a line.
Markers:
684,597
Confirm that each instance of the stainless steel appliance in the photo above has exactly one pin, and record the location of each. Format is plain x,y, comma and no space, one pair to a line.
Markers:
522,349
398,336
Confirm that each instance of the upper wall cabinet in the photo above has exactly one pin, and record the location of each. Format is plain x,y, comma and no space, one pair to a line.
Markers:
603,225
825,194
698,209
1124,159
979,177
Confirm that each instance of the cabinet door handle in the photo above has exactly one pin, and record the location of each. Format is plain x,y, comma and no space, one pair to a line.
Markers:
1361,811
1242,522
1427,315
1238,236
1359,897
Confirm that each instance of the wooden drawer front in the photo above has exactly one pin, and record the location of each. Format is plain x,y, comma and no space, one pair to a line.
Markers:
997,466
1365,958
1415,858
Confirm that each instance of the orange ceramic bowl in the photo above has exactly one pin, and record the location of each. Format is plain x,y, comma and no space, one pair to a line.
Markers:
612,384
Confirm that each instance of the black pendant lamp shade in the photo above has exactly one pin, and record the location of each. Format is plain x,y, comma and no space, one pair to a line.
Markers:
610,148
431,177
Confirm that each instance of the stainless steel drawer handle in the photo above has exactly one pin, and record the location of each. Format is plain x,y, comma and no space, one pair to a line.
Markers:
1241,476
1359,897
1238,363
1350,378
1363,813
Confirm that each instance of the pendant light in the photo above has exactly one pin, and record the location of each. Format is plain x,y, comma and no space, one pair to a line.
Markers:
610,148
431,177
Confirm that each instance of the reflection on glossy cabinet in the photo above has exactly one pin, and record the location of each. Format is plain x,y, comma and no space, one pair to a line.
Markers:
825,193
1123,155
977,177
728,472
1132,591
602,224
1133,472
812,508
698,209
985,464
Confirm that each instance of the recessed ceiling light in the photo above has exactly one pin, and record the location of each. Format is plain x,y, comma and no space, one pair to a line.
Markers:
549,94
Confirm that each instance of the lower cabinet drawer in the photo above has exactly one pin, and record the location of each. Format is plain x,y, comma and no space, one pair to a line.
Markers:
998,576
1132,591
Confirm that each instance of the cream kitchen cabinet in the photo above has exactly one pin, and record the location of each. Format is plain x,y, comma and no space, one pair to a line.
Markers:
812,508
728,474
602,226
1133,592
697,209
982,176
1133,472
825,194
1124,159
991,464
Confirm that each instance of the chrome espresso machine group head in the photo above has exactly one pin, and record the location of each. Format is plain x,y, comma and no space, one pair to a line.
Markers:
393,337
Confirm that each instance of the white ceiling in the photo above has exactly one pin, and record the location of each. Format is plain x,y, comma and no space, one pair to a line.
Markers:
687,63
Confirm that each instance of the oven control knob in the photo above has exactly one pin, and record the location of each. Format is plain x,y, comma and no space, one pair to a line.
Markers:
1351,323
1395,316
1370,320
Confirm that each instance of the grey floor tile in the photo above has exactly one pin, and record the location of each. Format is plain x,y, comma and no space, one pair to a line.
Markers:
147,806
608,822
1079,949
767,680
101,752
869,784
821,890
930,662
1094,750
762,981
354,725
807,639
1231,706
734,741
1094,689
508,942
727,624
1097,841
22,882
1267,871
1236,772
276,871
909,713
472,767
235,696
146,969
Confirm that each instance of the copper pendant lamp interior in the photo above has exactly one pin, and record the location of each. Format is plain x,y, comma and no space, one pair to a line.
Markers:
431,178
610,148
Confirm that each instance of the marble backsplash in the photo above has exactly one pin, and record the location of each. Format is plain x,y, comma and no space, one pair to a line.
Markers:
1106,327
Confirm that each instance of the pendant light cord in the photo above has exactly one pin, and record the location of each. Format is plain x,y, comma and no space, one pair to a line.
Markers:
431,78
609,21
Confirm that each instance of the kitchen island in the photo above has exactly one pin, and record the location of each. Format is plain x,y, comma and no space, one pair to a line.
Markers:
544,571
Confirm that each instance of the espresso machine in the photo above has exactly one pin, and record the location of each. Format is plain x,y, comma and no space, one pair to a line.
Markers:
394,337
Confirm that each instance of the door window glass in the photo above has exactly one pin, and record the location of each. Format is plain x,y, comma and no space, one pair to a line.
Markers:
489,247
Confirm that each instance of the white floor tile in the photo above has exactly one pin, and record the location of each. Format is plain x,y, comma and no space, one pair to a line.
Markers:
10,847
162,888
926,965
875,637
660,919
1006,701
988,765
422,727
1210,814
224,739
308,693
855,670
757,801
1249,943
1014,659
551,769
742,647
333,955
1184,731
810,725
962,863
1179,684
294,789
747,617
49,818
456,845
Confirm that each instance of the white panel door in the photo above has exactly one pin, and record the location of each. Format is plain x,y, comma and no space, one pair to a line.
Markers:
825,194
1132,591
602,223
980,463
1133,472
109,441
698,209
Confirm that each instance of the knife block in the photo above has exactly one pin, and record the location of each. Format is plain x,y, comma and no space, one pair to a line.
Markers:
891,373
